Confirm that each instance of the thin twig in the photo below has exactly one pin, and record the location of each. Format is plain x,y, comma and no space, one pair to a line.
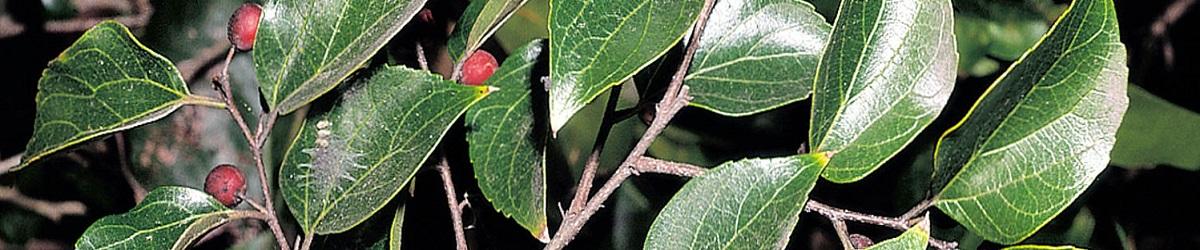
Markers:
460,238
10,162
51,210
589,169
139,19
899,223
652,165
256,139
421,57
139,192
843,233
673,100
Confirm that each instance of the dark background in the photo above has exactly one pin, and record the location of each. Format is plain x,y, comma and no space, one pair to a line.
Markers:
1151,208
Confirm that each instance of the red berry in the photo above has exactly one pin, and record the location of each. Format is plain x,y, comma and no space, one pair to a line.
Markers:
478,68
227,184
243,26
425,15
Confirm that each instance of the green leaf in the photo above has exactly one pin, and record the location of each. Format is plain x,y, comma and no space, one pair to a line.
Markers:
348,162
305,48
886,74
916,237
1040,247
1041,134
1156,132
396,229
105,82
756,55
481,19
747,204
598,44
507,148
169,218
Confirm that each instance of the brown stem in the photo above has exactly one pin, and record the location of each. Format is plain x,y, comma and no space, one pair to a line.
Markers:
460,238
256,139
673,100
652,165
51,210
139,192
899,223
143,10
589,169
421,57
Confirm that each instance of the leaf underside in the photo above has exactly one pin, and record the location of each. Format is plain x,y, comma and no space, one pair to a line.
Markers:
756,55
347,163
886,74
1041,134
747,204
598,44
507,147
306,48
105,82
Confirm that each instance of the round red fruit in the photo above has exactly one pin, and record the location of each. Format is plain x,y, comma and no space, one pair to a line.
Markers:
227,184
478,68
243,26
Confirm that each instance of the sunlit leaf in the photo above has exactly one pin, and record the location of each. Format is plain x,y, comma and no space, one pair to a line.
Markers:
169,218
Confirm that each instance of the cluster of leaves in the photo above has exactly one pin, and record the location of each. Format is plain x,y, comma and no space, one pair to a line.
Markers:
877,76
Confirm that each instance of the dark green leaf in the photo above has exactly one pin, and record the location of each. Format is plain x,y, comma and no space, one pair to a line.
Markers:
169,218
507,148
916,237
481,19
1041,134
756,55
104,83
747,204
347,163
599,44
305,48
886,74
1156,132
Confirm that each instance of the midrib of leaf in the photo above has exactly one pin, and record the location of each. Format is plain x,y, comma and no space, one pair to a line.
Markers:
328,207
842,96
757,212
1042,73
139,232
326,63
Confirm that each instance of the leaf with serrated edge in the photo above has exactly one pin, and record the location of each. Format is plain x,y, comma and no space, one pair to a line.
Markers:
348,162
107,81
507,148
1156,132
886,74
756,55
305,48
169,218
598,44
916,237
1039,135
747,204
479,21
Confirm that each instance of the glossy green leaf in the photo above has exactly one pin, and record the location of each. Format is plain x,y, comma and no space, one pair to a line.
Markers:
598,44
914,238
1041,247
1041,134
507,148
1156,132
105,82
305,48
397,229
169,218
886,74
348,162
479,21
747,204
756,55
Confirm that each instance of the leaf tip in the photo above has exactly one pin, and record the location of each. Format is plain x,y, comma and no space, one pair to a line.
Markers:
542,233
